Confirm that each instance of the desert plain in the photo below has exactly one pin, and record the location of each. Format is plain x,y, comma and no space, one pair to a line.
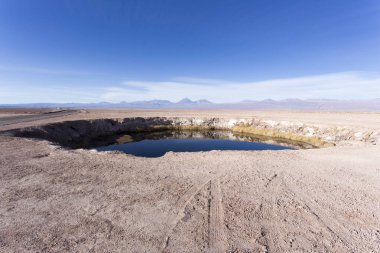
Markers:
56,199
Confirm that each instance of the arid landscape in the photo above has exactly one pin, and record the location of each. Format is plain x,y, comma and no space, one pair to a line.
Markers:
189,126
56,199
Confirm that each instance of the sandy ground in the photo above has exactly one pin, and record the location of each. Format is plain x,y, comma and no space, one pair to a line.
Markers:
320,200
360,120
18,111
12,119
5,115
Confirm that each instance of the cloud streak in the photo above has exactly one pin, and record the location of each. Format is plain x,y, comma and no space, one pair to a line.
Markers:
343,85
18,93
42,70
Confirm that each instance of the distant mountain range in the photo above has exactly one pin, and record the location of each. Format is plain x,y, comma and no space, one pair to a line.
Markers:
186,103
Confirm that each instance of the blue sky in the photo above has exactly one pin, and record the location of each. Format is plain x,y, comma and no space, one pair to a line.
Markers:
225,51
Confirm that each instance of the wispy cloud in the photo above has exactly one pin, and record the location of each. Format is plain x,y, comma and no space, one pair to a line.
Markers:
42,70
135,86
343,85
21,93
199,81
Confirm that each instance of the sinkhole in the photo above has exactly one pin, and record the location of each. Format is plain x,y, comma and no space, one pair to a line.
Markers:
153,137
156,144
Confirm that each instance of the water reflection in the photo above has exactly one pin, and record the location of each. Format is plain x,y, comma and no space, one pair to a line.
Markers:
154,144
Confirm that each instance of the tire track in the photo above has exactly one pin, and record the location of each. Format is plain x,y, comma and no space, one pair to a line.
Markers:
270,194
333,226
217,237
180,205
270,180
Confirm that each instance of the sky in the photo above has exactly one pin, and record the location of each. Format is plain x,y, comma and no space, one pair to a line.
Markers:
224,51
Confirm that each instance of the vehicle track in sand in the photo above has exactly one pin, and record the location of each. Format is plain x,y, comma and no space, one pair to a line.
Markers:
277,186
271,192
180,206
332,224
215,227
279,198
217,236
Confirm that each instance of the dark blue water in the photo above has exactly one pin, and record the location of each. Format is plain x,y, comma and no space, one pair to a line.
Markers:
157,148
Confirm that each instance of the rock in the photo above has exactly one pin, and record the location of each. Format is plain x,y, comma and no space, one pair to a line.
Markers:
309,131
330,138
358,136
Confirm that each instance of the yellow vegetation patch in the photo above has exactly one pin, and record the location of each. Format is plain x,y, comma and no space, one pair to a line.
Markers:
315,141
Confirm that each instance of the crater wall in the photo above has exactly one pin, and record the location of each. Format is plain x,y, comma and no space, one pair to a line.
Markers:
68,132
